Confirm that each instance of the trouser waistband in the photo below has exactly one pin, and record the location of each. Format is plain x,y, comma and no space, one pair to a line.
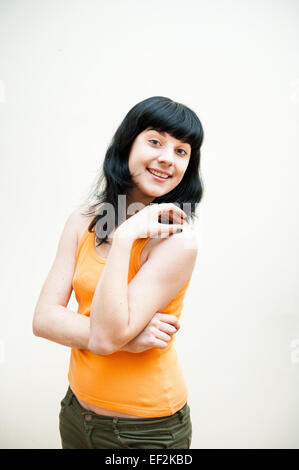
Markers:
142,422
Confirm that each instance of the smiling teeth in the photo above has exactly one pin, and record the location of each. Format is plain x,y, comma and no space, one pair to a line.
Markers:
161,175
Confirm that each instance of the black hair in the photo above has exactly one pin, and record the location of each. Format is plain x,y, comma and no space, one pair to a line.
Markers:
164,115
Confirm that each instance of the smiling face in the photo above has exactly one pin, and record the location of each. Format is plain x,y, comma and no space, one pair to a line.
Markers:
153,150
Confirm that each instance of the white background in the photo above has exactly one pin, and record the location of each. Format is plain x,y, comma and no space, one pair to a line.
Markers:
70,71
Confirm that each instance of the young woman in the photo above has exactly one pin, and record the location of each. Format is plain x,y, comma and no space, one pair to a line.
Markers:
129,263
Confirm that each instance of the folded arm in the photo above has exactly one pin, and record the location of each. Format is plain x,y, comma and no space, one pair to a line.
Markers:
120,310
52,319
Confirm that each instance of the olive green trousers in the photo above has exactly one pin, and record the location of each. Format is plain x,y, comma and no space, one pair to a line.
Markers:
83,429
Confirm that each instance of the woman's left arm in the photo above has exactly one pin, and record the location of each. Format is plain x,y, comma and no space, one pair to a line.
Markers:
120,310
109,309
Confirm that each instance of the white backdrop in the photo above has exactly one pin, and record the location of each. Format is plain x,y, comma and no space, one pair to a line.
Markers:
70,71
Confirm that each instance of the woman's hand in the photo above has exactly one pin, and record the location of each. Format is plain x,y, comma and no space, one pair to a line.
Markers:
145,223
156,334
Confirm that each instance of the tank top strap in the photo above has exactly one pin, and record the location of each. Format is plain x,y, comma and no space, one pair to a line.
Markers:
83,237
81,242
87,239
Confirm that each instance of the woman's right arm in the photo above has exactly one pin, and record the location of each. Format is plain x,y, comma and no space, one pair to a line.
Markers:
63,326
54,321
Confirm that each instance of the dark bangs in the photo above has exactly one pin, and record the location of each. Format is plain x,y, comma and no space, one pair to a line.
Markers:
165,115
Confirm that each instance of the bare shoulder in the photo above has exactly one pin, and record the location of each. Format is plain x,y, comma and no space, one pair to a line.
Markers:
81,220
187,238
184,243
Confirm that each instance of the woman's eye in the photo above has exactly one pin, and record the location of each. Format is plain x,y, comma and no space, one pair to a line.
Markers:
183,152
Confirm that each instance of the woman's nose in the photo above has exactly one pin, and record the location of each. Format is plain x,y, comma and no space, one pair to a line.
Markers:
167,156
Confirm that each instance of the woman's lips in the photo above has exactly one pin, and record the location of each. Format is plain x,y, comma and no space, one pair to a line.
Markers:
157,178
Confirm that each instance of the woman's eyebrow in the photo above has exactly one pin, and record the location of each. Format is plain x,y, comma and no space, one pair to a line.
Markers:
164,134
161,132
155,130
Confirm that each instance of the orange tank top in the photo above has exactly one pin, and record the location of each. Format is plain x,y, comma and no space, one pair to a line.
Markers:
147,384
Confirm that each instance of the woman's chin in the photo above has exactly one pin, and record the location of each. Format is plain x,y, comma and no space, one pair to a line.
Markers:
153,192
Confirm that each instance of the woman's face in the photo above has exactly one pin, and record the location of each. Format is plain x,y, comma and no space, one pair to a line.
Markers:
150,151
